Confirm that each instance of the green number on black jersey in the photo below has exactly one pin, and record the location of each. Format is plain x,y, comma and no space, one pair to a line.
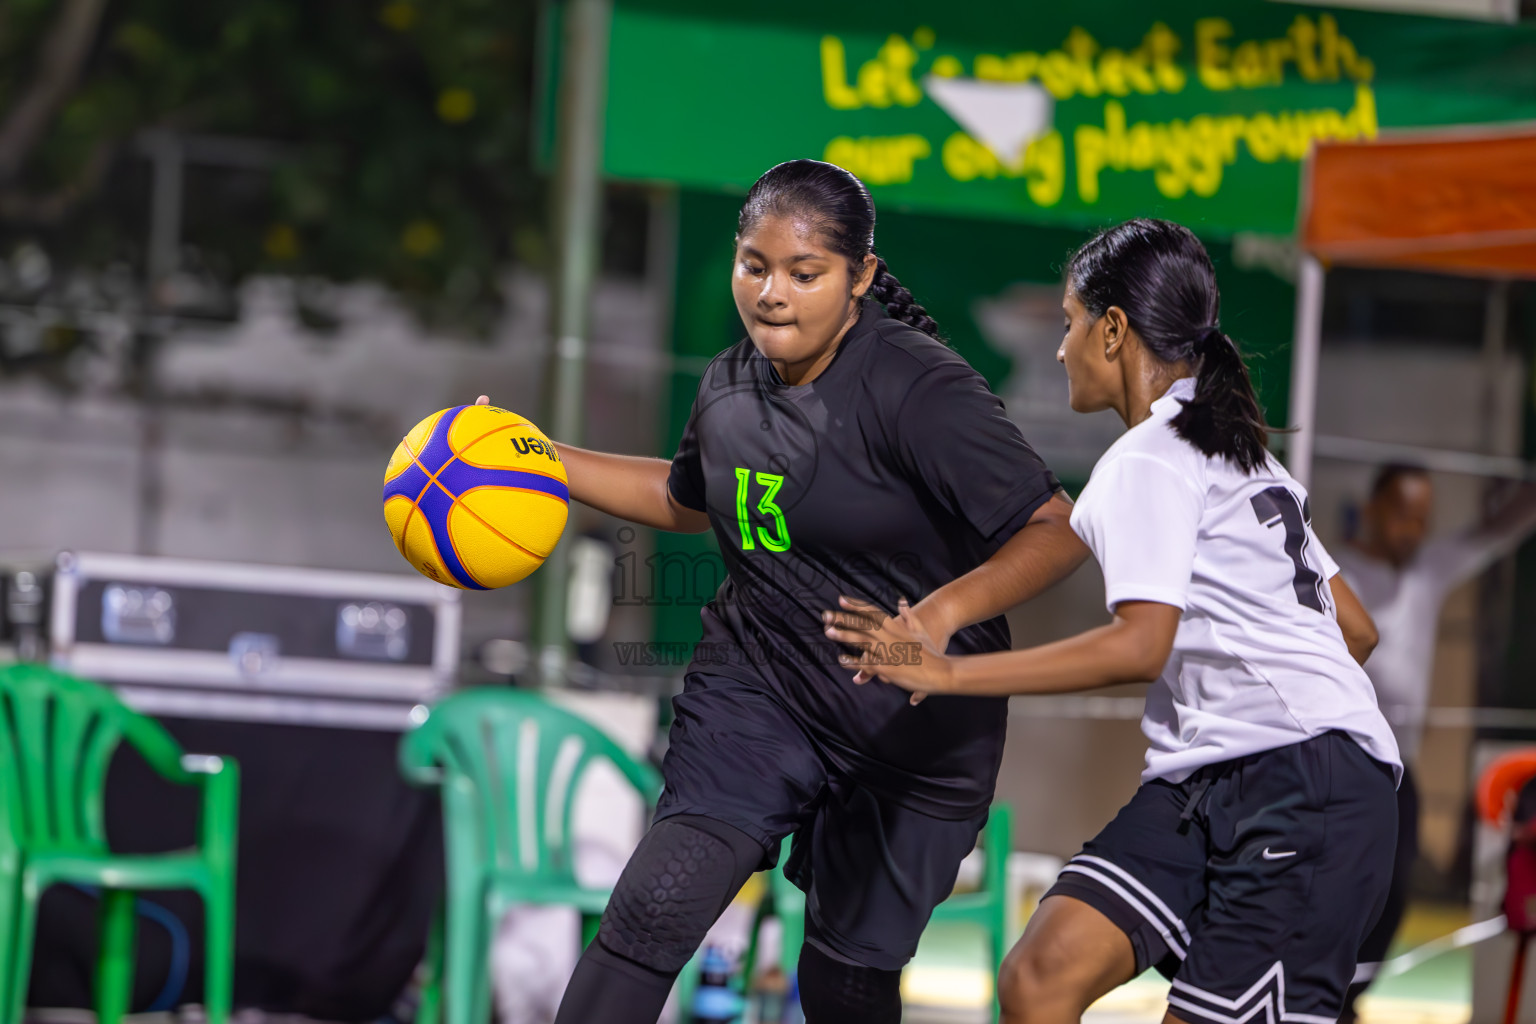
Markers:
779,540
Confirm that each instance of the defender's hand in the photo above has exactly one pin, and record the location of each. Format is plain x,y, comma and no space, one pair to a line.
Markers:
895,648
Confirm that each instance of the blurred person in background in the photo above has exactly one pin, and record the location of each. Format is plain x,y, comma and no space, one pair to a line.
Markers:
1402,576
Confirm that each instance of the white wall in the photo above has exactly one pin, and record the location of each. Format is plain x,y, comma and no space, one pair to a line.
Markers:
275,437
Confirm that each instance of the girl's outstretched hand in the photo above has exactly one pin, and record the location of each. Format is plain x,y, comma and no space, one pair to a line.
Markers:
894,648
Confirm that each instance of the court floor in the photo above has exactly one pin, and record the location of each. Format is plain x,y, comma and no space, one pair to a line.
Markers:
949,983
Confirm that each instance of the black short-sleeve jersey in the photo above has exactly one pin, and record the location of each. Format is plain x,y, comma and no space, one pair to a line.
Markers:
892,473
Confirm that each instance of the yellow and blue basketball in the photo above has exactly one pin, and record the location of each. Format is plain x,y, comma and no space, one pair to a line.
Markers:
475,497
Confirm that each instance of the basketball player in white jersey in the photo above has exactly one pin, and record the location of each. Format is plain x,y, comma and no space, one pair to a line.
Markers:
1256,854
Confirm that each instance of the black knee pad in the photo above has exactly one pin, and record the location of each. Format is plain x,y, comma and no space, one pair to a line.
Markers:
680,878
834,991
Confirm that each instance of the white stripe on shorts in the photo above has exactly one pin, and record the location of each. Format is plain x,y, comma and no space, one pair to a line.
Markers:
1266,995
1136,883
1130,901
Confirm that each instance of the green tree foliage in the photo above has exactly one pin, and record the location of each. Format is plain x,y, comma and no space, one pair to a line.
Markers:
402,129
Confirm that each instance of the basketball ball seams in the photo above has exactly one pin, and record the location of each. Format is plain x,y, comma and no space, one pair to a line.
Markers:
495,487
463,456
536,472
437,519
458,453
448,526
436,515
400,540
432,530
451,479
463,477
430,422
447,422
423,552
520,490
507,473
481,519
405,442
453,414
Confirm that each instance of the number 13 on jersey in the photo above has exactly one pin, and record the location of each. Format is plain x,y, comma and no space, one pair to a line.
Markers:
770,482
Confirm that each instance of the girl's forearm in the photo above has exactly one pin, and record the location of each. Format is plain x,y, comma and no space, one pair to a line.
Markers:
629,487
1115,653
1042,553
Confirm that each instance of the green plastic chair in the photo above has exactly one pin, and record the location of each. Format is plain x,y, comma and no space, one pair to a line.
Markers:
508,763
57,736
986,908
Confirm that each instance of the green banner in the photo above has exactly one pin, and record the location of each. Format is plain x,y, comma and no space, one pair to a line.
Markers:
1075,114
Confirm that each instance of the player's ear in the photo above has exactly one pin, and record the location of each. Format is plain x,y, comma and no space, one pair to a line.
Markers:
1116,327
866,276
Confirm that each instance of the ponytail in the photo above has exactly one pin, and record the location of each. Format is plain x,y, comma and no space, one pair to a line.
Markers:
1160,275
839,205
1223,418
898,301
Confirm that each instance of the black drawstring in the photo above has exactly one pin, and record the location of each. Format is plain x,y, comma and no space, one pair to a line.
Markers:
1202,782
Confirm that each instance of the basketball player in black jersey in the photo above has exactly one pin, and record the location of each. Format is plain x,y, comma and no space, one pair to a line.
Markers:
838,448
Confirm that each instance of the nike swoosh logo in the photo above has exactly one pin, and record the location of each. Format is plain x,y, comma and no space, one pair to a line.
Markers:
1270,855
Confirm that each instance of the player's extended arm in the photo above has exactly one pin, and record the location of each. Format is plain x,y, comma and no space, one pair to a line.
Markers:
1132,648
630,487
1474,551
1355,622
1042,553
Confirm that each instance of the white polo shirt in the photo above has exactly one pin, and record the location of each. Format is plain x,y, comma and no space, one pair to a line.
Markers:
1258,661
1406,605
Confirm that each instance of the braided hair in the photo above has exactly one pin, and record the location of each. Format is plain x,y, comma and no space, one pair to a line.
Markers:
839,206
1161,276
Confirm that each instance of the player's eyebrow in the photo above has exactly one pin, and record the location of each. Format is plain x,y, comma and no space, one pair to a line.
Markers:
799,257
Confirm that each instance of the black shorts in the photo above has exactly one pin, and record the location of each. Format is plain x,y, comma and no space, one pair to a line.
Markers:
872,870
1251,884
